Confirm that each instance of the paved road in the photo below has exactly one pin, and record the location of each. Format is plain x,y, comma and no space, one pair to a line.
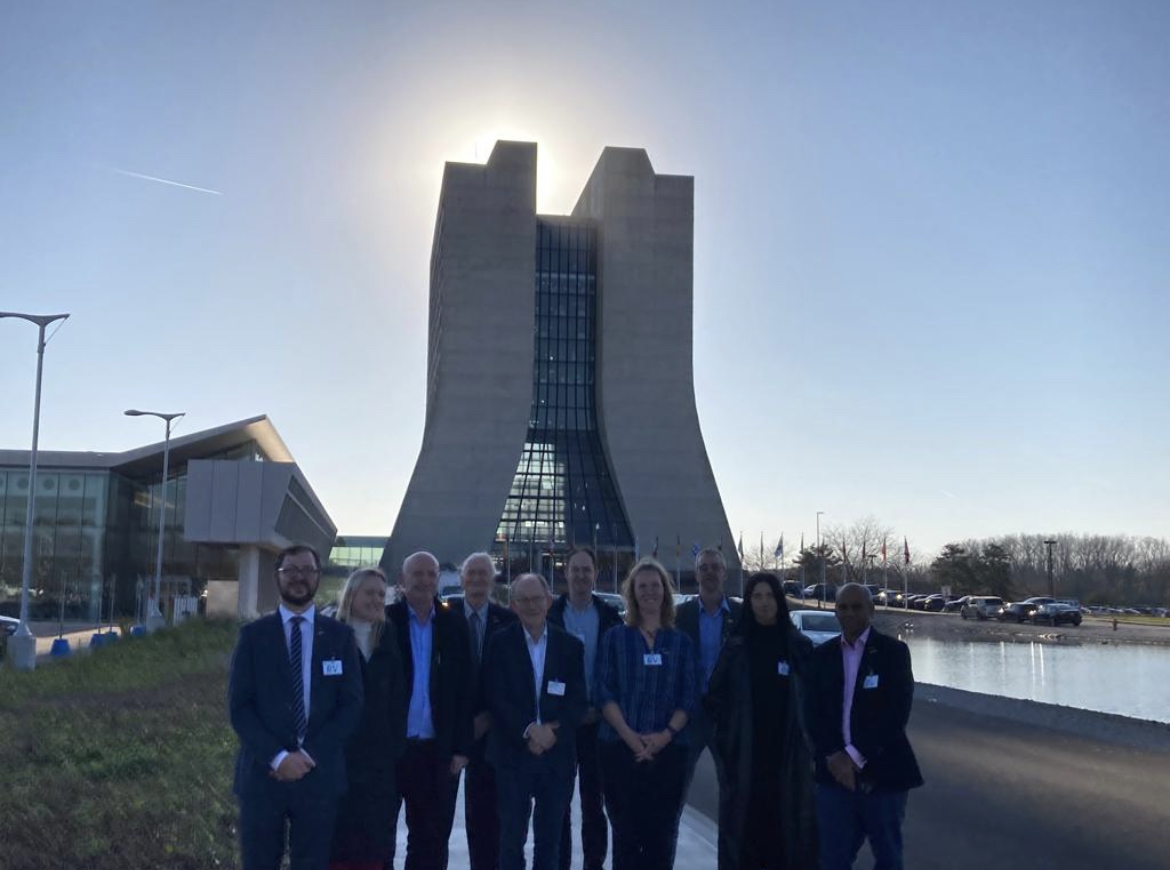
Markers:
1009,795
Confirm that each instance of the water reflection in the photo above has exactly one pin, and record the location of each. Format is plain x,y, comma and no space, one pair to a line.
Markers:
1129,680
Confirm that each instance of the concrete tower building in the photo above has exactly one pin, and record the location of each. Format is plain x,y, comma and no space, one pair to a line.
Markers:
560,398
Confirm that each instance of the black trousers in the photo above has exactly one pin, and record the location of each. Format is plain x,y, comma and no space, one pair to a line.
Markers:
429,792
643,800
594,830
294,807
480,813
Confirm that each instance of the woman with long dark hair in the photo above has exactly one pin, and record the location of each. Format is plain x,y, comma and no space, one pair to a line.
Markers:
364,836
766,812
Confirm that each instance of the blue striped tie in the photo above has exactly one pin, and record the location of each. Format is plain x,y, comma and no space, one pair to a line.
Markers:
294,655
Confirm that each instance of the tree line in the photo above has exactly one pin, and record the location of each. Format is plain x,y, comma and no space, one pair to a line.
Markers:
1096,569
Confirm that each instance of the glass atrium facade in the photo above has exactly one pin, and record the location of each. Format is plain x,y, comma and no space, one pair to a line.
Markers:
95,534
563,491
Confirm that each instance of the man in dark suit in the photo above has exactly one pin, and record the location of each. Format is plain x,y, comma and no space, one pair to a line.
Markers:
860,690
585,616
534,681
294,698
707,620
484,619
436,657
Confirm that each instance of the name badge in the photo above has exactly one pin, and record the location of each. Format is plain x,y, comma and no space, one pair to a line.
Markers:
652,659
556,687
871,682
783,669
331,667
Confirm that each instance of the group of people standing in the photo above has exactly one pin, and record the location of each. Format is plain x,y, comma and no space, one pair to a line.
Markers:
344,721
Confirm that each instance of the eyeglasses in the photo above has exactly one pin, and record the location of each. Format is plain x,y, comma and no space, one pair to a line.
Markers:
297,573
528,600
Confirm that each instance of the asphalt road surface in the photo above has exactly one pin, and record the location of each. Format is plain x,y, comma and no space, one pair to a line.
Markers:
1009,795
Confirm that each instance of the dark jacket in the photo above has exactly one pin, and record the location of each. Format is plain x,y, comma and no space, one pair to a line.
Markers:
365,817
452,689
498,618
728,703
513,702
686,620
260,702
879,715
607,615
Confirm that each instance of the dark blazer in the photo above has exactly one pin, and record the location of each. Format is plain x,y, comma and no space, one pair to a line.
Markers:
879,715
607,615
365,818
686,620
498,618
728,704
512,700
260,704
452,689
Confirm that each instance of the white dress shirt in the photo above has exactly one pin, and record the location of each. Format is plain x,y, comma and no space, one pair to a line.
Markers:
536,653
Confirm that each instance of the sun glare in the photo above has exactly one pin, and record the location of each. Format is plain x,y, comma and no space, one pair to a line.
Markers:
548,175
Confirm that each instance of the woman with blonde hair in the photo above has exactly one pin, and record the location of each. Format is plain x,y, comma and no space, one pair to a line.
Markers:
364,835
646,688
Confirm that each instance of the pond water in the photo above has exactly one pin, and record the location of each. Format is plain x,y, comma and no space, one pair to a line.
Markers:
1129,680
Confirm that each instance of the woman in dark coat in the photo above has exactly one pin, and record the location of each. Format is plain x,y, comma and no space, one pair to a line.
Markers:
766,812
364,834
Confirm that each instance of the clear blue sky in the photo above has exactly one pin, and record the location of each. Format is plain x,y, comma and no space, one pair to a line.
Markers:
932,241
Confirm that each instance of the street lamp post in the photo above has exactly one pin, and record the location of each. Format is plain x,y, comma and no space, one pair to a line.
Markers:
820,561
1051,585
154,618
22,646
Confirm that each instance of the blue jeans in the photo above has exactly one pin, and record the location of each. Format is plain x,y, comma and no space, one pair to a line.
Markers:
846,818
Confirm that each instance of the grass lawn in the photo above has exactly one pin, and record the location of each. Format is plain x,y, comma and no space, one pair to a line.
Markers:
122,758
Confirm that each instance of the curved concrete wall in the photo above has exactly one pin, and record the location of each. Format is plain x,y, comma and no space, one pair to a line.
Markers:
479,372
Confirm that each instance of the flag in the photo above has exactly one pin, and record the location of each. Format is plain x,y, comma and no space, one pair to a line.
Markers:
656,546
906,550
863,556
678,546
721,545
802,542
637,549
695,550
741,546
780,547
883,552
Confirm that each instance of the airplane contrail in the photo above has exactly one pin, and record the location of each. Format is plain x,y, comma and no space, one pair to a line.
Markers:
165,181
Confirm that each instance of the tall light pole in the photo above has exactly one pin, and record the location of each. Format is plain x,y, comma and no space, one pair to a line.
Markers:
22,646
154,619
820,560
1051,585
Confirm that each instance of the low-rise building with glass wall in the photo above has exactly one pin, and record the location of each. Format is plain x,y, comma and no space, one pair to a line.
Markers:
234,498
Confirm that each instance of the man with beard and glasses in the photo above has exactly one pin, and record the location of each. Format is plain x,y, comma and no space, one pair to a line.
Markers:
294,698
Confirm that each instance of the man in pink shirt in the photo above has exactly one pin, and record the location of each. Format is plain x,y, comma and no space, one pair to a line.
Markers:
858,703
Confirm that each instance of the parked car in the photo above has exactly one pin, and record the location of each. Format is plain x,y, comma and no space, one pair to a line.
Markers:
934,603
891,598
1018,611
955,606
981,607
821,592
873,589
792,588
612,598
1057,614
817,625
1039,599
914,601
